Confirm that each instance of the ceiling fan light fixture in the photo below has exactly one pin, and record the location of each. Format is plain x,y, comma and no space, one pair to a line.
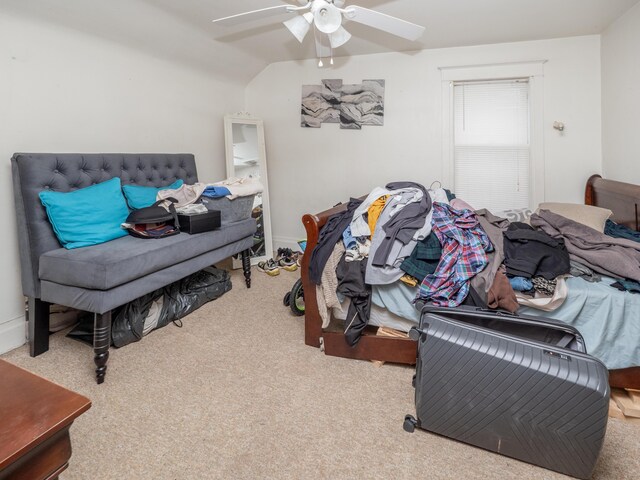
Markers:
327,17
298,26
339,37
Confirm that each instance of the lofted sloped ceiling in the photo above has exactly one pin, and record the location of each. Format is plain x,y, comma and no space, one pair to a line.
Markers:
181,30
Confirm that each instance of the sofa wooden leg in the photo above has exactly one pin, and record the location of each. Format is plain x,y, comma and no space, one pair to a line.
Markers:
246,266
38,317
101,343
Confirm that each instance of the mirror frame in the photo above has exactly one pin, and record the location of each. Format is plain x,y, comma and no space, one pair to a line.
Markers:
247,119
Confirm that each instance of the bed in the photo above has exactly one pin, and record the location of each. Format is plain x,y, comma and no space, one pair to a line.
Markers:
621,198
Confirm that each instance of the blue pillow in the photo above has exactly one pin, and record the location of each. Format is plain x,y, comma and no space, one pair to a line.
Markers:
140,197
87,216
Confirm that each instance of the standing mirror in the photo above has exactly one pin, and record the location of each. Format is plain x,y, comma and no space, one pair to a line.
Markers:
246,157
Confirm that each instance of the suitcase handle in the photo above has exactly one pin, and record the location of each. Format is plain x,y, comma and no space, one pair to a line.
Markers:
503,313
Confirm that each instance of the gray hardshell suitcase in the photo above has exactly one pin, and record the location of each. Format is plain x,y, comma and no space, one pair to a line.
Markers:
516,385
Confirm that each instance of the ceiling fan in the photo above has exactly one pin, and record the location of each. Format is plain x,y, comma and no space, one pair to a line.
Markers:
326,18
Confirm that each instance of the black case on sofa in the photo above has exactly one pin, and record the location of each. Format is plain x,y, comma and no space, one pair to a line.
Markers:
199,222
516,385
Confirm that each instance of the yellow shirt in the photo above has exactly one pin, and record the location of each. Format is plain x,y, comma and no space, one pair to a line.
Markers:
374,212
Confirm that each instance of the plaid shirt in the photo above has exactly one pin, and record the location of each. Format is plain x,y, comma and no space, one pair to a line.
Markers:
464,247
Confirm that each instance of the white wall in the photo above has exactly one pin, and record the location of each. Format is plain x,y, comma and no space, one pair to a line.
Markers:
621,98
64,91
312,169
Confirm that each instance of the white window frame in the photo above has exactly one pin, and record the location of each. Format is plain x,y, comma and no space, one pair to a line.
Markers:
534,72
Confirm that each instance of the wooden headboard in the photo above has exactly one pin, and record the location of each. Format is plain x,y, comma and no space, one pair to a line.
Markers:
623,199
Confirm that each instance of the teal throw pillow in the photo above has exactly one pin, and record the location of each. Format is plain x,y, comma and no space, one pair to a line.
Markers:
87,216
140,197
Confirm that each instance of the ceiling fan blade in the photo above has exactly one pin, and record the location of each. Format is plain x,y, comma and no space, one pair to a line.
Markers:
384,22
339,37
254,15
299,26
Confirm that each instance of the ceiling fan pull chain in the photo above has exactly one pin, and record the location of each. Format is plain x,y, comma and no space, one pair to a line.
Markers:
316,36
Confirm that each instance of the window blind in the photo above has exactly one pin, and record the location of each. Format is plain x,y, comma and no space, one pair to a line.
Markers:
492,143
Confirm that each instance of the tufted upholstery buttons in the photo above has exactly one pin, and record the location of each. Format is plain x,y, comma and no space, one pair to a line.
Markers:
56,171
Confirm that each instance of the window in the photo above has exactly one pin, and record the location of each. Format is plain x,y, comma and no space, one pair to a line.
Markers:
492,143
493,149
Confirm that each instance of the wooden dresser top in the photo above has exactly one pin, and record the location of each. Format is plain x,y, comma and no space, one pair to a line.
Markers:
32,409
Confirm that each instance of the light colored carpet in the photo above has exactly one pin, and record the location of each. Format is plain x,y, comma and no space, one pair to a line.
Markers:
237,394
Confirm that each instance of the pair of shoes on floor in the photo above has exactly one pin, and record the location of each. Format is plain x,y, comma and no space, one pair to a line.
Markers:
285,259
297,256
270,267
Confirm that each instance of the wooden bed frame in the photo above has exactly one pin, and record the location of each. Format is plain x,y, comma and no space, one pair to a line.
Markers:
622,198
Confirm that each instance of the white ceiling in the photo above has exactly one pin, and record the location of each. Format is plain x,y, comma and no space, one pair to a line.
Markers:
182,29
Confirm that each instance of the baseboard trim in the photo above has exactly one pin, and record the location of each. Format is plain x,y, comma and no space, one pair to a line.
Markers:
13,334
286,242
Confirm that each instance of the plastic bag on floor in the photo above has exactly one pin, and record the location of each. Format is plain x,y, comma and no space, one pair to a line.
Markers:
151,320
127,324
157,309
182,298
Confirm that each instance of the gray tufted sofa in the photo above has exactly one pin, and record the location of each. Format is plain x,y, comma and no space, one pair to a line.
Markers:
101,277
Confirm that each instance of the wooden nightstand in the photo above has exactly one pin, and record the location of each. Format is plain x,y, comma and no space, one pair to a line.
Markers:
35,417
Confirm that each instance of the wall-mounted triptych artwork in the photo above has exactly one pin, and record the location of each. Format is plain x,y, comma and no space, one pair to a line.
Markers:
352,106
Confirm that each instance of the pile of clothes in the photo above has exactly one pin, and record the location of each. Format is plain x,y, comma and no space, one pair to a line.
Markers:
400,232
231,188
452,254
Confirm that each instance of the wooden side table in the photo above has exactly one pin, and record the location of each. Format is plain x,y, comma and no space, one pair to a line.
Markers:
35,417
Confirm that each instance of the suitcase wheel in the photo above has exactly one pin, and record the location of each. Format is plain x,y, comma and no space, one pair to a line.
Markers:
413,382
410,423
296,298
